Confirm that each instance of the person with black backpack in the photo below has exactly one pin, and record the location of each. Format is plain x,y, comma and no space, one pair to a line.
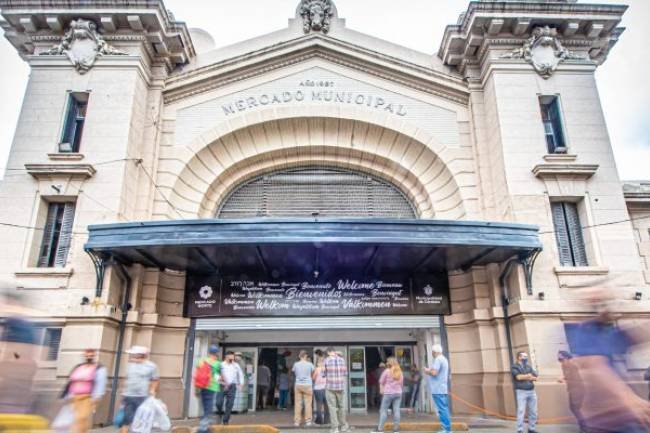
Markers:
207,378
85,388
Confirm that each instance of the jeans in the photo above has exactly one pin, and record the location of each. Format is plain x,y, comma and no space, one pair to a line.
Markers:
336,402
526,400
442,405
319,396
303,398
207,404
226,398
415,393
394,401
131,405
284,398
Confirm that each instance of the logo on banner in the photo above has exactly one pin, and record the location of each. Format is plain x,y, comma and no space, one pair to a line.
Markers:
428,290
205,292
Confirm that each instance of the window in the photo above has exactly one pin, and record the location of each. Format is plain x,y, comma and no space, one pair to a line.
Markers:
74,122
568,233
57,235
51,343
552,120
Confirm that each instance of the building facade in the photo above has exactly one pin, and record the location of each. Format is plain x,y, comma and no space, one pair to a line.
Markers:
146,161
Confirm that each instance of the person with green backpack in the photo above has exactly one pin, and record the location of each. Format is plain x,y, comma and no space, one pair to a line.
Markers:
207,376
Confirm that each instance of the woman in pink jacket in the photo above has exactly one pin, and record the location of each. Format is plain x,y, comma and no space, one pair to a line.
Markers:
391,386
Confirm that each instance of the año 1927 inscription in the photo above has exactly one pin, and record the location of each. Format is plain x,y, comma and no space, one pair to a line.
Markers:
342,296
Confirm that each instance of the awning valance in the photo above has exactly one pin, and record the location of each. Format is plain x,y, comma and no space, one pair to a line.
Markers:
282,247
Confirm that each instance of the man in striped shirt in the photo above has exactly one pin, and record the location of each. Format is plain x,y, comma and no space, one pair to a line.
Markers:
336,374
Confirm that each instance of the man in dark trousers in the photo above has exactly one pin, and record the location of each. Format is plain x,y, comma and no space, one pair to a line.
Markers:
233,380
524,378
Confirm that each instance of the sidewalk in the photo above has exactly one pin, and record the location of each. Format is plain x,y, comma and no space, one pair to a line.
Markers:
476,425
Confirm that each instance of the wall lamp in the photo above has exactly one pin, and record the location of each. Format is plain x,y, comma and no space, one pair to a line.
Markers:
85,300
541,296
638,296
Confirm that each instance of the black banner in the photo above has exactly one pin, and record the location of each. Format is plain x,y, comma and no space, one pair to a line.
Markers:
343,296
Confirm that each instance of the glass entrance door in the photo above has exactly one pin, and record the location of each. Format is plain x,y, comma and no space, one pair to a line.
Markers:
357,378
247,359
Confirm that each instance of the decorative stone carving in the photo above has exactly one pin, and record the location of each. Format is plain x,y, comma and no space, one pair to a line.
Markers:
83,44
544,51
316,15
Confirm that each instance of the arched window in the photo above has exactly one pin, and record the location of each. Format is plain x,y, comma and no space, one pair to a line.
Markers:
322,191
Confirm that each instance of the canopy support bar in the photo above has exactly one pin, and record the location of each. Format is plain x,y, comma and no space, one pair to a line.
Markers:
100,262
528,262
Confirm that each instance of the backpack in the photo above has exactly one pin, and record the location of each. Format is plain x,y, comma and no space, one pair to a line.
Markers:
202,375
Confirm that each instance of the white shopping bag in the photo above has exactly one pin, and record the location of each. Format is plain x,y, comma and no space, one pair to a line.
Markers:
64,419
152,414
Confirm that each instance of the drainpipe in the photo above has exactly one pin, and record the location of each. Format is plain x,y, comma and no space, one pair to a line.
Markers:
126,306
505,301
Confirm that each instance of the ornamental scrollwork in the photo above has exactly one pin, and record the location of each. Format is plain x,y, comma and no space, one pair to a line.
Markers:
544,51
82,44
316,15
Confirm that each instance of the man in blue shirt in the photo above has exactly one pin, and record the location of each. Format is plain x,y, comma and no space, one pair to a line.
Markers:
438,377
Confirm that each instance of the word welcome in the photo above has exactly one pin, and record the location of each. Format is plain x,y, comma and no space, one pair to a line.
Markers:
317,96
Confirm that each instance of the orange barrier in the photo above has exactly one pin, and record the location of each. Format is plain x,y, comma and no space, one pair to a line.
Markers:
509,417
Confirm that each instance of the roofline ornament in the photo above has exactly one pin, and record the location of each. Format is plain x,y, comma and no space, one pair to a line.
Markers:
82,44
544,51
316,15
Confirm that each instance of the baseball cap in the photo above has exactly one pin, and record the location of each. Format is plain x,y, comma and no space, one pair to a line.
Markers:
137,350
213,350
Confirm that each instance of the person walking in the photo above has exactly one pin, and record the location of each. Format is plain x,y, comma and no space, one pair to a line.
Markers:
575,388
438,378
391,385
84,390
414,380
335,376
210,368
263,385
320,382
142,381
233,379
283,389
524,377
303,390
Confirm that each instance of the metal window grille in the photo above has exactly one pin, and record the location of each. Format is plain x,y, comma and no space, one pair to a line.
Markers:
568,233
51,343
322,191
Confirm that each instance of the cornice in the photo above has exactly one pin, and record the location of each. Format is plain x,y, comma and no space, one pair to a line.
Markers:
220,74
573,170
40,171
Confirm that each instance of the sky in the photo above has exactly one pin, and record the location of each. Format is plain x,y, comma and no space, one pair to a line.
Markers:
417,24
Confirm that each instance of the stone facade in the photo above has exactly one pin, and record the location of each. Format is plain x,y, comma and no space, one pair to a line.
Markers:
171,130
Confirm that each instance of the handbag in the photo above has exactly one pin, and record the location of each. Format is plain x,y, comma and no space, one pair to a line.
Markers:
64,419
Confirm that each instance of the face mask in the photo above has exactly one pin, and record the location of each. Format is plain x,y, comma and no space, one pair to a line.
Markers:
89,360
524,361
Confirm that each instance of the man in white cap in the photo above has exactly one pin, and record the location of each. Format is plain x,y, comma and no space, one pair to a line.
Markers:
438,376
142,380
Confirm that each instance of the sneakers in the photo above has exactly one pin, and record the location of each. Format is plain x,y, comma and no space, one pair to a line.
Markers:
345,428
308,424
296,424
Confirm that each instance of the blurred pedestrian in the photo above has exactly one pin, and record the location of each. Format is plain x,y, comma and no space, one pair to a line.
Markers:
438,378
142,380
303,389
263,385
609,404
335,376
84,390
414,380
320,382
524,377
283,389
18,350
207,376
233,380
391,385
575,389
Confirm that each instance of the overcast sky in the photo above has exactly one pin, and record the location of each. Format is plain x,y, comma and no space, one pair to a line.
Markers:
417,24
